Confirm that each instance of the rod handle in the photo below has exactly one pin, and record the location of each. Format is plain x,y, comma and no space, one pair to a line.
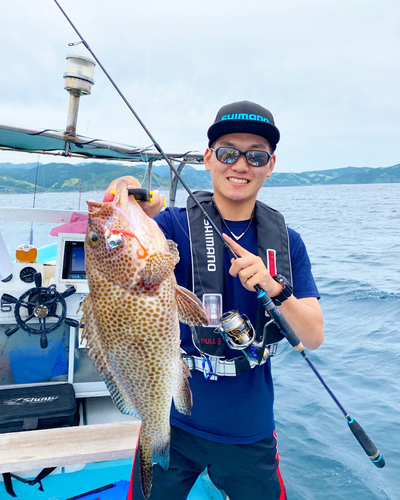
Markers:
366,444
279,318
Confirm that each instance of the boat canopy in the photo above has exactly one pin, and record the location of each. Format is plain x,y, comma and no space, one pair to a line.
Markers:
56,142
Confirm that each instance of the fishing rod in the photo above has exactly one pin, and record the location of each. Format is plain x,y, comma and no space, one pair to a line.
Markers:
262,295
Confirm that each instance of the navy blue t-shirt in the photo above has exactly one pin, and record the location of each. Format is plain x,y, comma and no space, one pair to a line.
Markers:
231,410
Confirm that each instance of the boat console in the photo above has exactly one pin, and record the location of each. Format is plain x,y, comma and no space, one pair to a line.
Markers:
40,338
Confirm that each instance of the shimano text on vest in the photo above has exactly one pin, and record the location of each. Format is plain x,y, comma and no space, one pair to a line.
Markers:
210,248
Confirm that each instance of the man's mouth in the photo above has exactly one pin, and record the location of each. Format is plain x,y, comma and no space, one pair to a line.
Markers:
238,181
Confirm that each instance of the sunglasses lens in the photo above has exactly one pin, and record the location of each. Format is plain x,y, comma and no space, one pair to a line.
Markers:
227,155
253,158
257,158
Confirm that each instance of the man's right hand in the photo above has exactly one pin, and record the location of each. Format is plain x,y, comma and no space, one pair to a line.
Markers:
150,208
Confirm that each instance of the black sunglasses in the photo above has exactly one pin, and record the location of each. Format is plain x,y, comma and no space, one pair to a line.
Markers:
254,158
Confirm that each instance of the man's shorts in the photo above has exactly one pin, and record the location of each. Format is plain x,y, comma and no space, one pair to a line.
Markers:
243,472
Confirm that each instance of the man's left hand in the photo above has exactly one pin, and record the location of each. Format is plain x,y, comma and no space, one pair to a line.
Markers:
251,270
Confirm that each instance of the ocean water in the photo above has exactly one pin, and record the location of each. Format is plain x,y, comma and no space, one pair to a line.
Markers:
352,234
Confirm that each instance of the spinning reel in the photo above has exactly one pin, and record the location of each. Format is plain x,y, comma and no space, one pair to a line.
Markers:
238,332
40,303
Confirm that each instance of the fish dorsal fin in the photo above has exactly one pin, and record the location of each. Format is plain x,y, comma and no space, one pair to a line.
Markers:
99,354
190,309
158,267
173,248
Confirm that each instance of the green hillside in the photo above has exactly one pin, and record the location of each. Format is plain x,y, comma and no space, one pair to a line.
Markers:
55,177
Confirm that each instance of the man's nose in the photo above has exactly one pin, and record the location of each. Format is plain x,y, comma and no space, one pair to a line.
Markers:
241,165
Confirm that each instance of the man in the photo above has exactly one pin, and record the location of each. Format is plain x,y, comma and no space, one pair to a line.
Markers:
231,429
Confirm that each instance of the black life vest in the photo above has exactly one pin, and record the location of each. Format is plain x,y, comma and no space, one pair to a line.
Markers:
207,251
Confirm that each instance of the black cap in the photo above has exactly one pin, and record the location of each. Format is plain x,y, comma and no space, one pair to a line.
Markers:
247,117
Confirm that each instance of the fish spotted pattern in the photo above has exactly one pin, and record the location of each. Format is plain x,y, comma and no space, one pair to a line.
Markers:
131,320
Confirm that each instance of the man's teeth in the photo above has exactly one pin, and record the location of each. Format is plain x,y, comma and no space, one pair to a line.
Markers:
238,181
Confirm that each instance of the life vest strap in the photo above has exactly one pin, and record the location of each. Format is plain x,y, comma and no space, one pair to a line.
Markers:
214,367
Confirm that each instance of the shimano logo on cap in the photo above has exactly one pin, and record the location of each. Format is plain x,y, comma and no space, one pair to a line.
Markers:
245,116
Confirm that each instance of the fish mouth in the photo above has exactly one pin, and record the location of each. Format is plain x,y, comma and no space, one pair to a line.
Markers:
115,218
121,196
103,209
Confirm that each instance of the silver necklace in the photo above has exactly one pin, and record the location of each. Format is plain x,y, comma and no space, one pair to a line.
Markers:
237,238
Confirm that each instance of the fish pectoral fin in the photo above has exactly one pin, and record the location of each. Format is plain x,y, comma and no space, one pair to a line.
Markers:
158,267
182,394
190,309
97,351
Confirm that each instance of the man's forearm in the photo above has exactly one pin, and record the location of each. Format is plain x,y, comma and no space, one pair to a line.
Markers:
306,318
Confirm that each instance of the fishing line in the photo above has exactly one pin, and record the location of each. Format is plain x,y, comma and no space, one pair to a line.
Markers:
262,295
34,199
80,187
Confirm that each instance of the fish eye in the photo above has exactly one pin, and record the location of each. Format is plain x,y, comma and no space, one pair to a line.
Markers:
94,239
115,240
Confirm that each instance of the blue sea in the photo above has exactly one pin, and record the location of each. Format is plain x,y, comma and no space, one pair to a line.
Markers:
352,233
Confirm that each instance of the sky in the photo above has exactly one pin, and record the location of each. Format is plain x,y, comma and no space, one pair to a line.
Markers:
328,70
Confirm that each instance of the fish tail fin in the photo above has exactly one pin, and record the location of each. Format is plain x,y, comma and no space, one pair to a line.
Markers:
152,451
182,394
146,467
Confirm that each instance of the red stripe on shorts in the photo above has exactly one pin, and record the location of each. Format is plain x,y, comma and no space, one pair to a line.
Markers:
130,491
282,496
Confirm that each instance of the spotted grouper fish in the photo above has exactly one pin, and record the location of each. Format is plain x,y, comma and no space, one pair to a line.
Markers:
131,320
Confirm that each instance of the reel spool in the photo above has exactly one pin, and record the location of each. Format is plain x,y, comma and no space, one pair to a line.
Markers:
237,330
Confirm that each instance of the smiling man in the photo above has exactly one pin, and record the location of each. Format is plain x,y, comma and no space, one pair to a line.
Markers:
231,430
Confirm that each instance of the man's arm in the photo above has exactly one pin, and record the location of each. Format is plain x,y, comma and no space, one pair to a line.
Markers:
304,315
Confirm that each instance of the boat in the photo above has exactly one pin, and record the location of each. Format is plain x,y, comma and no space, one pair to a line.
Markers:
41,350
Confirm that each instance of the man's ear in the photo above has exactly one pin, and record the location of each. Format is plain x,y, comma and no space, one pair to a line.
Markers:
271,165
207,156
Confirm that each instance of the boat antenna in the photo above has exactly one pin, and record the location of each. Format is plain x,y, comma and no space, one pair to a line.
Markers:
266,301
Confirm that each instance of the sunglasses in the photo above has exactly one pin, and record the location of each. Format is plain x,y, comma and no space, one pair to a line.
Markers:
253,158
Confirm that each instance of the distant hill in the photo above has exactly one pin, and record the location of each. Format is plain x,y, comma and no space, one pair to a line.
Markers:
55,177
6,166
346,175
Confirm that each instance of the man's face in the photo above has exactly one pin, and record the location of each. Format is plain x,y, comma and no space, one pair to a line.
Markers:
238,182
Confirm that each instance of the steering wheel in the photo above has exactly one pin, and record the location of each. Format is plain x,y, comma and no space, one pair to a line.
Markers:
40,303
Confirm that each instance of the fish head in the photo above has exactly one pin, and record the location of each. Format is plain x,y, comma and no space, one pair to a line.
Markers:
120,238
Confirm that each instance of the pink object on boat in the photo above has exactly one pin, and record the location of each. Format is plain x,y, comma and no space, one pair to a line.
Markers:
77,224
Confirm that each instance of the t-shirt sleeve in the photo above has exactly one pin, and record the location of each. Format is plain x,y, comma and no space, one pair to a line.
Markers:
303,280
163,219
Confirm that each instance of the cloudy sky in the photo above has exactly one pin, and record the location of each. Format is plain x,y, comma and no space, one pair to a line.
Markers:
329,70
